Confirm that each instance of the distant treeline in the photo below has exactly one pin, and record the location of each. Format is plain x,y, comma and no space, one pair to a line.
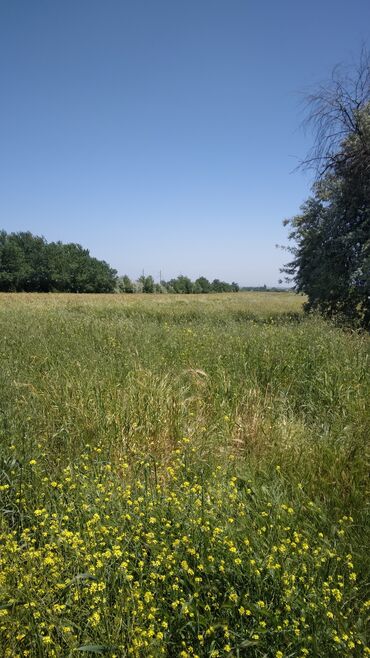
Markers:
29,263
181,285
265,289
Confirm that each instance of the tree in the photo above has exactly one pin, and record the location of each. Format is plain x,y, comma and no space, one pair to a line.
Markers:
221,286
182,285
14,270
80,272
203,285
331,256
31,263
335,113
28,263
125,284
148,284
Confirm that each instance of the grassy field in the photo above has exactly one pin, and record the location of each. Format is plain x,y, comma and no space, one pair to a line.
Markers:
181,476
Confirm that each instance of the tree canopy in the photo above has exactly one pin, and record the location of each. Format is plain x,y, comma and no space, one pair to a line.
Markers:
29,263
331,255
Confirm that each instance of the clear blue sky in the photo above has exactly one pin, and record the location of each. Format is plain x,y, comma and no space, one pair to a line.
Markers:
162,134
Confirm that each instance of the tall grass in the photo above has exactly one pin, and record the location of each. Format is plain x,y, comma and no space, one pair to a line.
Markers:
181,477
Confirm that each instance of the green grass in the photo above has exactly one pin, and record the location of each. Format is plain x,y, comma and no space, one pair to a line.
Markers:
181,476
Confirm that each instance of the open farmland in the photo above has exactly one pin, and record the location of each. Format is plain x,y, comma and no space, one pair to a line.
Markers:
181,476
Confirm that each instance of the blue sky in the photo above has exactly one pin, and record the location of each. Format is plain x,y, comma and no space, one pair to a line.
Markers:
163,135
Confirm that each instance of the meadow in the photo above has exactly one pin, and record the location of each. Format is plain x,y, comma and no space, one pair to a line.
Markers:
182,476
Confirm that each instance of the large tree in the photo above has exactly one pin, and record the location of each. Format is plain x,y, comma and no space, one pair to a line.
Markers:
28,263
331,254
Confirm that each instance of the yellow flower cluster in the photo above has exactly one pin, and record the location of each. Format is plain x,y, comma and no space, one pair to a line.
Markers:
148,564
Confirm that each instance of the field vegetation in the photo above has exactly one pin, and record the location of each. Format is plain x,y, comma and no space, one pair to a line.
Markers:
181,476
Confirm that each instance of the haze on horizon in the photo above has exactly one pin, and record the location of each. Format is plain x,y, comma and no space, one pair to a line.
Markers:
165,136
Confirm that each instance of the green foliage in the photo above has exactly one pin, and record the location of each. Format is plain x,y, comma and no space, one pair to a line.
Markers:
182,285
124,284
202,285
222,286
13,265
148,284
331,256
28,263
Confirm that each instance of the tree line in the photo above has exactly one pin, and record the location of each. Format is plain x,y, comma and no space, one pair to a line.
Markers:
331,234
28,263
181,285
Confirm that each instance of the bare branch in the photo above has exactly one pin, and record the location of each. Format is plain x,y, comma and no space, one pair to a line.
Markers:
332,114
